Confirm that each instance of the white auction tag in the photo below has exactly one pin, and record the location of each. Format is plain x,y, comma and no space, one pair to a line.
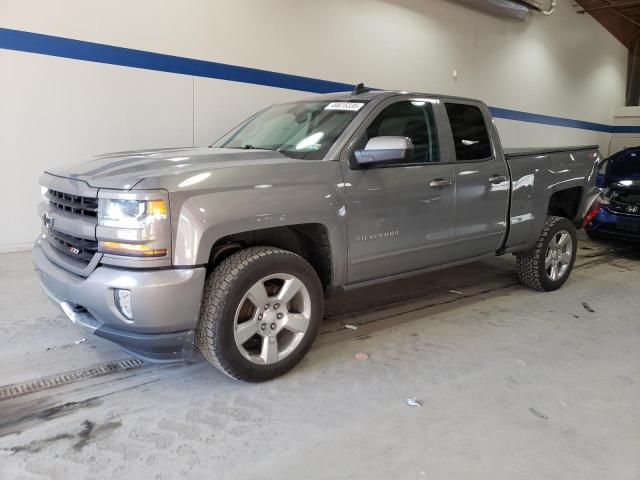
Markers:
345,106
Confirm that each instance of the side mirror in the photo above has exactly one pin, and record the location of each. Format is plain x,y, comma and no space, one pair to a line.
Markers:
383,151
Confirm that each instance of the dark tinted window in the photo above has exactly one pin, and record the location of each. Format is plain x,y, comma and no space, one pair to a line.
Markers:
413,119
470,133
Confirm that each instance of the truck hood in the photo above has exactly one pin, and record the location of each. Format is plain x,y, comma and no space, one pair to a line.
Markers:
623,172
123,170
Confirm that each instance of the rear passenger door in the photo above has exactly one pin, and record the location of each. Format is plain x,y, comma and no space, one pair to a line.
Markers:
399,216
481,179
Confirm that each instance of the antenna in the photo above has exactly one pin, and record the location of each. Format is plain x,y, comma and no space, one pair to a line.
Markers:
360,88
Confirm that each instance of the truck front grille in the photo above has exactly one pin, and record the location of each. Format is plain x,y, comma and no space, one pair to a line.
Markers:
86,206
75,247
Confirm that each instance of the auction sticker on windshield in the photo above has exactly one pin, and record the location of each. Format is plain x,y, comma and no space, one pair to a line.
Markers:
344,106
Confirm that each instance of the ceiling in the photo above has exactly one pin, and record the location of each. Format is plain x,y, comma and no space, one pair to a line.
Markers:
620,17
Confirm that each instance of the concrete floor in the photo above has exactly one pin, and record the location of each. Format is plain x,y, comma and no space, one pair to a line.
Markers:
514,384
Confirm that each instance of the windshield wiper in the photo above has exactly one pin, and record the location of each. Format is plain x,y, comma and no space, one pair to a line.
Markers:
248,146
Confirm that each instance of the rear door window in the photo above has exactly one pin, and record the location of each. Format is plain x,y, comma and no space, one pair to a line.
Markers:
470,134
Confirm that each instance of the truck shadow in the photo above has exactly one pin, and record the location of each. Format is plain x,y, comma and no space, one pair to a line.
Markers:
429,289
447,286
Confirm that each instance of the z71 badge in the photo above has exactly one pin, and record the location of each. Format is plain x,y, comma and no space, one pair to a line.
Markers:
377,236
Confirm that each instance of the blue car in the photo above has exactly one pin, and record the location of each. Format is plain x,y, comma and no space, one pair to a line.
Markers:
616,214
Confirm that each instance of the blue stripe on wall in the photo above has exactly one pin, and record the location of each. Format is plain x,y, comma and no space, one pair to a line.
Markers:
96,52
560,121
127,57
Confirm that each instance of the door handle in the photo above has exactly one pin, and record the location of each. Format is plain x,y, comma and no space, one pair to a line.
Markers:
495,179
440,183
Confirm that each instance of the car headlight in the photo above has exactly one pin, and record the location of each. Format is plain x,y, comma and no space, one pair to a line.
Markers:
134,227
130,213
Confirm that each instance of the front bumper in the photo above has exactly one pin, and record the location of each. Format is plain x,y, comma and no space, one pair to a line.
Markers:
165,305
613,225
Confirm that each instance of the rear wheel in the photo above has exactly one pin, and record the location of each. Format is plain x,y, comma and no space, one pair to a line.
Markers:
260,314
548,264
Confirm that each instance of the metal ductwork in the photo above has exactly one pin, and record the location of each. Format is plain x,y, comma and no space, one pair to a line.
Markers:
546,7
518,9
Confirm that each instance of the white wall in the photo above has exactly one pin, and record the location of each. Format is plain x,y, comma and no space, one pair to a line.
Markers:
625,117
55,111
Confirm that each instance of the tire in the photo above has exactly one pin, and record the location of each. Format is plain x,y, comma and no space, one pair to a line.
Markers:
533,271
230,312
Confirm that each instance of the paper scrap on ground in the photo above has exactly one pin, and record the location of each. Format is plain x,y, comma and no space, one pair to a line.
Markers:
361,356
456,291
82,340
351,327
412,402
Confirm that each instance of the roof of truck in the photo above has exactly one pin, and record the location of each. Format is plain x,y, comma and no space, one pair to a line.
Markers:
380,94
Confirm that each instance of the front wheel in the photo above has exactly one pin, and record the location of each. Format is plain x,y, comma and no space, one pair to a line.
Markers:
548,264
261,312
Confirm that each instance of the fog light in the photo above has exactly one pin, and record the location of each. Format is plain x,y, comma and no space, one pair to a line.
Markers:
123,302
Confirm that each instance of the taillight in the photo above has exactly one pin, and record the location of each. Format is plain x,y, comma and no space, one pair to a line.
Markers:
591,214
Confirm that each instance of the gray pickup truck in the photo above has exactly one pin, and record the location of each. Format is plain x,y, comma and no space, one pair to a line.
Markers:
233,248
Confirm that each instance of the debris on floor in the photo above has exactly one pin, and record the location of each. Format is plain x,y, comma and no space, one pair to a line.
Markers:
538,414
82,340
511,379
351,327
361,356
456,292
587,307
412,402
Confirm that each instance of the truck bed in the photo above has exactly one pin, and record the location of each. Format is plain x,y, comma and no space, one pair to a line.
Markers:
536,175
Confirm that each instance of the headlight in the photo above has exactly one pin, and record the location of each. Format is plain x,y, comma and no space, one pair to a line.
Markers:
134,225
130,213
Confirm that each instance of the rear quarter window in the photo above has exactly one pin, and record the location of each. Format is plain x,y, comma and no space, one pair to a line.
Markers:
470,134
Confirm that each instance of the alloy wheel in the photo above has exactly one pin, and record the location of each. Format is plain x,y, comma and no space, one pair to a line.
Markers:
272,318
558,255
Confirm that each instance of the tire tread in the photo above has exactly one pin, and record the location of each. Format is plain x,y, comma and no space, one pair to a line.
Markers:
528,263
216,293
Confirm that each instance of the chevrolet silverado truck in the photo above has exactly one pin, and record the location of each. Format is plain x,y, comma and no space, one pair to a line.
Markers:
232,248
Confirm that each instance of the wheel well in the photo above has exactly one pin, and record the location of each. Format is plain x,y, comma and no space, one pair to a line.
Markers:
565,203
310,241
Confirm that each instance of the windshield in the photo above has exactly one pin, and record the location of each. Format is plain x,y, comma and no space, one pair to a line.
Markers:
300,130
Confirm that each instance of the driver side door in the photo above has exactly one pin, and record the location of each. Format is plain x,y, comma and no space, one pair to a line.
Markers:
399,216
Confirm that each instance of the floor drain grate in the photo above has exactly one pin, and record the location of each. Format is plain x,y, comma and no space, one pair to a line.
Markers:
17,389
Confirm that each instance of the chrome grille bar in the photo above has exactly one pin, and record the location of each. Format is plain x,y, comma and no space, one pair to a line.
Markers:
76,204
